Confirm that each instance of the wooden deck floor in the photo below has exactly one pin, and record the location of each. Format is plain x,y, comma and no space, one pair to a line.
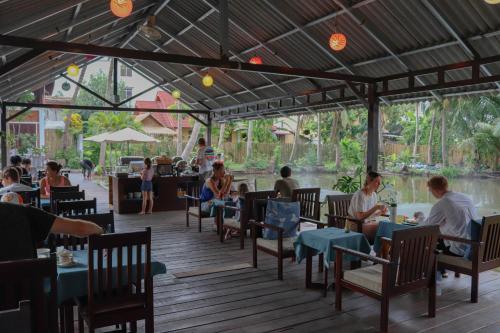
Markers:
253,300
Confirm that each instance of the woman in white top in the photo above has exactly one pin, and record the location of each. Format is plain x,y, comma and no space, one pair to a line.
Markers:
364,205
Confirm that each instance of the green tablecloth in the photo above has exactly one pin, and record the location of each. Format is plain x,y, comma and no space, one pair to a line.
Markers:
323,240
72,281
385,229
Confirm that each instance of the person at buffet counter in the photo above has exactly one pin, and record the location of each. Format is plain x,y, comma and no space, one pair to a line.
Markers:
10,181
217,186
204,159
364,205
53,178
287,184
25,226
452,213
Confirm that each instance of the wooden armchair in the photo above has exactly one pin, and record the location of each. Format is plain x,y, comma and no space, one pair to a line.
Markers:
309,202
485,254
75,188
280,248
411,267
76,208
28,280
193,203
64,196
122,294
246,214
338,212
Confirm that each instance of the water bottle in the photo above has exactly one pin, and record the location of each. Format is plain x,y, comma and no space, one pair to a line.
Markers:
393,211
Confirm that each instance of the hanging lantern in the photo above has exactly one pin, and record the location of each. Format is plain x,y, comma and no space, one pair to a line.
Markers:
338,41
256,60
121,8
208,80
66,86
176,94
492,2
73,70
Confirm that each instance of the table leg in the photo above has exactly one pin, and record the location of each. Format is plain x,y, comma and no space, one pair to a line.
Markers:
69,320
321,264
308,267
325,282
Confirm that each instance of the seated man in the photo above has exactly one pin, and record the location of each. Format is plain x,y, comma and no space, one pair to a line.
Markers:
286,185
23,227
451,213
10,182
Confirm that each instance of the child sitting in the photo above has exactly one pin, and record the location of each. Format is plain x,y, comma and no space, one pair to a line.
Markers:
240,203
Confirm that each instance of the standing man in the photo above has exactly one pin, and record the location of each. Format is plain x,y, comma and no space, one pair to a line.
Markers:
87,167
204,159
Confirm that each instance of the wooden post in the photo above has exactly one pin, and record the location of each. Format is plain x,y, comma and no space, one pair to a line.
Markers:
373,128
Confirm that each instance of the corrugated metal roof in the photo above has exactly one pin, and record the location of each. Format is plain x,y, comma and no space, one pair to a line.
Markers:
384,37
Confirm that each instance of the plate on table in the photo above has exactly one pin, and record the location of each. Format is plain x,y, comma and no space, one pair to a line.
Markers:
68,264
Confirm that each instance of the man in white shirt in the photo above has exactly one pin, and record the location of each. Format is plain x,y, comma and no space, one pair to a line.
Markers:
204,159
10,181
452,213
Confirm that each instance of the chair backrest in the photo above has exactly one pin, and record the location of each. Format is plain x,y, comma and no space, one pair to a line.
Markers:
105,221
26,180
131,255
31,197
194,189
309,202
412,256
64,196
27,280
489,256
338,205
76,208
248,212
75,188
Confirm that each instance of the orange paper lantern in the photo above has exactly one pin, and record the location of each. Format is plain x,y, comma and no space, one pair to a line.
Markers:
256,60
338,41
121,8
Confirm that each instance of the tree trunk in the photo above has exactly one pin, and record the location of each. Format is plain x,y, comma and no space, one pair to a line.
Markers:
109,85
192,141
102,155
222,128
295,139
179,134
381,124
249,140
318,148
431,132
418,106
444,153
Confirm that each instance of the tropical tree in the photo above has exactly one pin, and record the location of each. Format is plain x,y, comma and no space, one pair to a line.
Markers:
188,149
249,151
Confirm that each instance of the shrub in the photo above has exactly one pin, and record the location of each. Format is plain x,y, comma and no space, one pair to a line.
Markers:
450,172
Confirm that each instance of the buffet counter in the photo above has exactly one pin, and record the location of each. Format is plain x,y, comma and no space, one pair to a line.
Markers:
125,193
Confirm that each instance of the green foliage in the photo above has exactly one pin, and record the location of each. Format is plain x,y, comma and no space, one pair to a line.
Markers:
257,164
347,184
25,141
405,156
71,156
450,172
352,153
277,157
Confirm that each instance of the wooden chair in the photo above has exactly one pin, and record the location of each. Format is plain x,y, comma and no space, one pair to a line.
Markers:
105,221
193,203
31,198
75,188
64,196
485,254
76,208
309,202
281,248
122,294
22,280
338,212
411,267
246,214
26,180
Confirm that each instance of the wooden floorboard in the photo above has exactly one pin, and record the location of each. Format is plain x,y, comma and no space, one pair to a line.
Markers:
253,300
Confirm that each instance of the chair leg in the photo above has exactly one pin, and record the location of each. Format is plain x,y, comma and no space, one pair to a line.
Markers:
384,314
243,232
133,326
280,267
61,319
338,293
320,262
81,326
199,222
474,288
325,282
187,219
432,300
150,324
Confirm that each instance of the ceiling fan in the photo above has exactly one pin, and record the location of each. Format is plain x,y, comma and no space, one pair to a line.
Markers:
149,31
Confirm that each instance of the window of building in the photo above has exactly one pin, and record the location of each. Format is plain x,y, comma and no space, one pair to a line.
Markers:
125,71
128,92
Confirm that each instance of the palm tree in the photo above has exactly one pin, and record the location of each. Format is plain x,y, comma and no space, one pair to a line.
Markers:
434,108
296,138
444,152
188,149
220,143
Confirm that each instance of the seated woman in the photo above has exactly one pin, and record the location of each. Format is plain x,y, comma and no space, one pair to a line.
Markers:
215,187
364,205
53,178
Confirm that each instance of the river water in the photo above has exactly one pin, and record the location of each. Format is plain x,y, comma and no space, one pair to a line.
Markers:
412,192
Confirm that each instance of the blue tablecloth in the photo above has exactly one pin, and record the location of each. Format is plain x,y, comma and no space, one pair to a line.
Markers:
385,229
72,281
323,240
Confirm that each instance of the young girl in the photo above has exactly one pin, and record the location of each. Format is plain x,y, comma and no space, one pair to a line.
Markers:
147,187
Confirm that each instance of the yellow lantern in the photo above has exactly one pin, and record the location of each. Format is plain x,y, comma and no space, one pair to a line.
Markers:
176,94
492,2
208,80
338,41
73,70
121,8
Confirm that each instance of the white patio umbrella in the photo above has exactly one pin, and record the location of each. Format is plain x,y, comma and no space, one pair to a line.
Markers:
129,135
97,138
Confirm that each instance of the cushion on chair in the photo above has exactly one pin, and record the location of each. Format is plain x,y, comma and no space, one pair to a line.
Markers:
282,214
474,232
369,277
455,261
272,244
195,211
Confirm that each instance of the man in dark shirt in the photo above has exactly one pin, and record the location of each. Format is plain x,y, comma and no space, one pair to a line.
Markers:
23,227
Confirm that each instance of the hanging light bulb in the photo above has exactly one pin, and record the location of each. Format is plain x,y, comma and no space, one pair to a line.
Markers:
176,94
255,60
492,2
66,86
338,41
208,80
121,8
73,70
